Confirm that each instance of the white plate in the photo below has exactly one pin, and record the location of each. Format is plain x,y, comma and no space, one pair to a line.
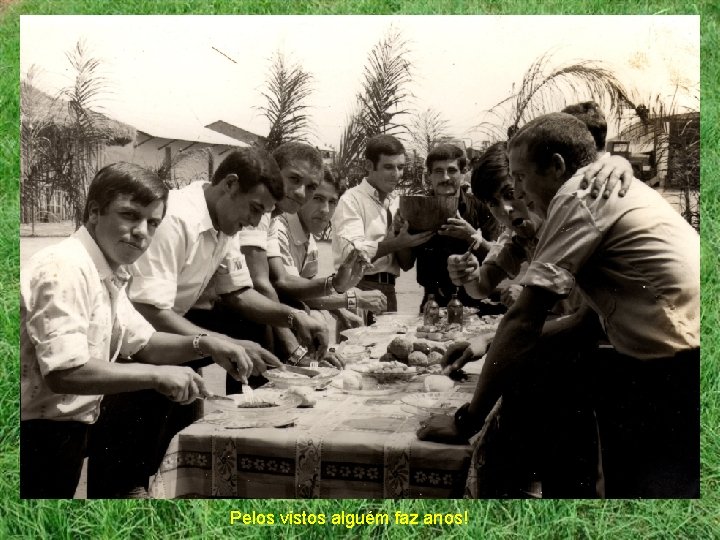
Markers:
282,400
377,390
435,402
282,380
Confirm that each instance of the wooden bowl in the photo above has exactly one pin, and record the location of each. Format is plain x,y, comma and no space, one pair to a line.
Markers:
425,213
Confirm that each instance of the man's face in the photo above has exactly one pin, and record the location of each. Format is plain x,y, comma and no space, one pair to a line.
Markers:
235,209
506,208
124,230
445,177
537,188
301,179
317,211
388,172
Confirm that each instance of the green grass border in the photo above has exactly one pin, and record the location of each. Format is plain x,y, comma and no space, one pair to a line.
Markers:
488,519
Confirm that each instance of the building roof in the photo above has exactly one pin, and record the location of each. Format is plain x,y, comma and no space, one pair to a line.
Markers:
240,134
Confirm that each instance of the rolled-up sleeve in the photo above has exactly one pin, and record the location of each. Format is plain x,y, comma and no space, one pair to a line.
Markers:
233,273
55,297
256,236
155,273
137,330
567,240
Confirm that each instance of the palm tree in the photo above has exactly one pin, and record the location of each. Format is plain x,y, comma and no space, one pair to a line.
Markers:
86,133
350,150
427,128
384,87
288,87
545,90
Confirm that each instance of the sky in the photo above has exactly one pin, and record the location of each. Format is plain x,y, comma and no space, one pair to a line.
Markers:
175,74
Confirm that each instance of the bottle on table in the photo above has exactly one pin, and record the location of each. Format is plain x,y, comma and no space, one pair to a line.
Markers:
455,311
431,311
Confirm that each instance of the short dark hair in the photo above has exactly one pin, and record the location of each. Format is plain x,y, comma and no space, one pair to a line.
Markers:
443,152
252,166
556,133
329,177
589,112
290,152
382,145
490,171
122,178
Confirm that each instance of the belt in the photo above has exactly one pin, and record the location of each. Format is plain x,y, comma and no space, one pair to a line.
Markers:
381,277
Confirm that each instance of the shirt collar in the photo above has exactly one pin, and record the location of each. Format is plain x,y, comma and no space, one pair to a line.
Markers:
295,230
98,257
203,214
366,188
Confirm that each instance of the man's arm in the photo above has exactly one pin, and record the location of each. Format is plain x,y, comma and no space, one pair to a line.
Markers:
99,377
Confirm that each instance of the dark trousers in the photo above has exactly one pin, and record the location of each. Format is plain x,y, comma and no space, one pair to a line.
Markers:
51,458
547,428
649,418
134,430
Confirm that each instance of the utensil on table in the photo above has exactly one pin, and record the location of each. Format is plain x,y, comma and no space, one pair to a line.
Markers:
217,397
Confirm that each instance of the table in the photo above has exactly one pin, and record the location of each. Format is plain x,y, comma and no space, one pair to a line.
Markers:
347,446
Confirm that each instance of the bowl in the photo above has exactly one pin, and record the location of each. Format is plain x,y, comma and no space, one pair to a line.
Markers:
425,213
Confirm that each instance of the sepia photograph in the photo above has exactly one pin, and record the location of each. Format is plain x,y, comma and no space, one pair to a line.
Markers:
360,257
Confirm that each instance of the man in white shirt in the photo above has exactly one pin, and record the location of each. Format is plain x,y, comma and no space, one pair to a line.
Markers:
192,264
363,219
77,324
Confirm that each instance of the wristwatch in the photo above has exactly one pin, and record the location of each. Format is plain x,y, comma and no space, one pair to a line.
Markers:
196,346
352,304
297,355
466,423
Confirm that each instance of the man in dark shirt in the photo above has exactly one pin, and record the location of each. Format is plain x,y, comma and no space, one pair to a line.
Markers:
473,224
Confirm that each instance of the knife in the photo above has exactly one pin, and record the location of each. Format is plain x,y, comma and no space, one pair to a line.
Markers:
301,370
216,397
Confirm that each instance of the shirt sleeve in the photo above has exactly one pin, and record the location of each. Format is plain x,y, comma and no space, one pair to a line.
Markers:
155,274
348,230
506,254
567,240
279,230
137,330
273,241
57,304
256,236
233,273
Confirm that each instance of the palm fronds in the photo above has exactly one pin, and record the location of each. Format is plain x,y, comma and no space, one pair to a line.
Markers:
288,87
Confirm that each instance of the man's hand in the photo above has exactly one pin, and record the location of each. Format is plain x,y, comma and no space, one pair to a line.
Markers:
312,333
180,384
329,360
374,301
230,355
351,270
608,172
261,358
440,428
510,294
460,353
403,239
348,319
463,268
457,227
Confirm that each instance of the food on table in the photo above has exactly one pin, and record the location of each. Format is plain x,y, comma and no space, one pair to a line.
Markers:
421,345
438,383
306,394
256,405
417,358
351,380
434,357
400,347
388,357
436,336
352,353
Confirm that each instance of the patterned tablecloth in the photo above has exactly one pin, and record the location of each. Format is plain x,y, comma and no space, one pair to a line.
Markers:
347,446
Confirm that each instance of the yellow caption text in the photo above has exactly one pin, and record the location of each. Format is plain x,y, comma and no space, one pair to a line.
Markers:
346,519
